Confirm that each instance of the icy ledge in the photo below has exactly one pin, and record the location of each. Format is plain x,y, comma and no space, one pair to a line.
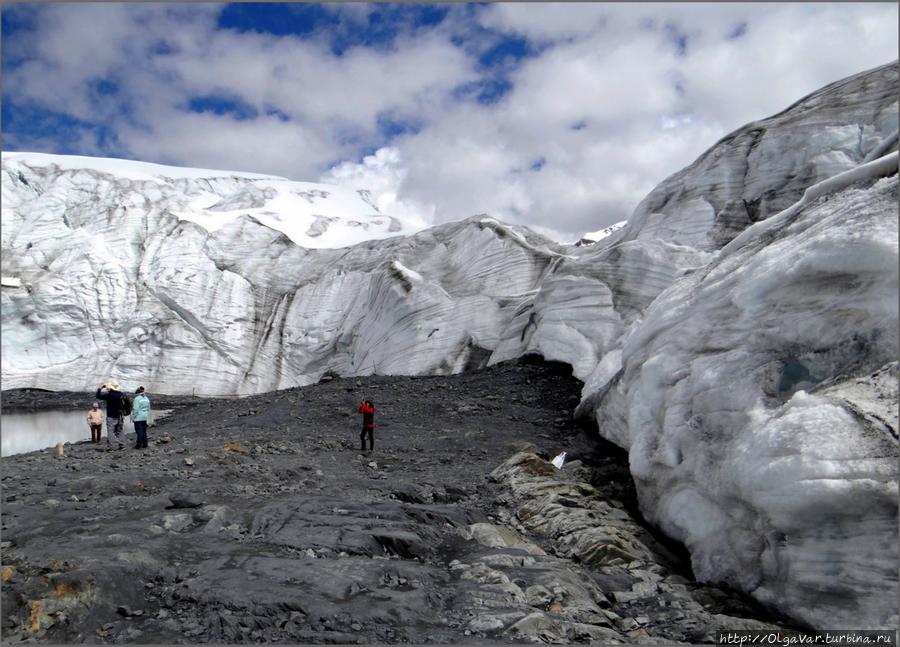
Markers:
886,165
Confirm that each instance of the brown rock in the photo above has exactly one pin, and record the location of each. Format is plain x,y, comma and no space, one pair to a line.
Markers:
233,447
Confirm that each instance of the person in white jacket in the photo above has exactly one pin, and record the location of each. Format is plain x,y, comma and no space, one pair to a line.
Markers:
140,412
95,420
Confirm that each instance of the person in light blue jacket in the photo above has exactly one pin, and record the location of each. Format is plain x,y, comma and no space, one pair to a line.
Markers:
140,412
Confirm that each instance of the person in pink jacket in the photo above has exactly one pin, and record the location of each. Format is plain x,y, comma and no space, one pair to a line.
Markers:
95,420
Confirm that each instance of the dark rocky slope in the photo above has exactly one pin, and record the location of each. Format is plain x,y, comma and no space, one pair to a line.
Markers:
455,529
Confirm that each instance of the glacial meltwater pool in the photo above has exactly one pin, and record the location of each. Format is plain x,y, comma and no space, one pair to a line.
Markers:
28,432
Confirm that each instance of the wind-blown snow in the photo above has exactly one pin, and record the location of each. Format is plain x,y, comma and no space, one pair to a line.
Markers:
737,335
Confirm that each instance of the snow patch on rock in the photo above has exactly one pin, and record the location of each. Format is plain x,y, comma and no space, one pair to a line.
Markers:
592,237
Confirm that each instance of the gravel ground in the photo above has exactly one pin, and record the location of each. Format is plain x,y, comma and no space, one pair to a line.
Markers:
260,520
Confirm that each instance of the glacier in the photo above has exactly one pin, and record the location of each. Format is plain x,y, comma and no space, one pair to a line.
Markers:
737,335
192,282
743,348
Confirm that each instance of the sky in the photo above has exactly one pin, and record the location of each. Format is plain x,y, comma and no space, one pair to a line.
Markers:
561,117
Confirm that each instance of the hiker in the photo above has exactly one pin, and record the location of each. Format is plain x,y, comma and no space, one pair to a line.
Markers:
95,421
115,412
140,412
367,409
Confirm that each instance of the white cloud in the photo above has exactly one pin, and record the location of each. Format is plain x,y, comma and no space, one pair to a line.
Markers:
617,75
383,174
550,21
306,81
609,108
263,145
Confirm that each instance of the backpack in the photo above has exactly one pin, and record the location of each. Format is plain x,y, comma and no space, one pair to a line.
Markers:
126,405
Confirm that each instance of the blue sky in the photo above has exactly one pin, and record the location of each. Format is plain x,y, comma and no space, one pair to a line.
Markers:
561,117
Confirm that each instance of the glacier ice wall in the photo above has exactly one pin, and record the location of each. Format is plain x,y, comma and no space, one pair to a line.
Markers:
738,335
105,276
753,173
735,387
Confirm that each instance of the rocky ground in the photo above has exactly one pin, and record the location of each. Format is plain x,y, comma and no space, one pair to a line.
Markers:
260,520
33,400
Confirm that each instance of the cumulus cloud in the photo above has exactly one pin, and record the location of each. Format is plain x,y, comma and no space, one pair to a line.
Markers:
383,173
627,95
584,107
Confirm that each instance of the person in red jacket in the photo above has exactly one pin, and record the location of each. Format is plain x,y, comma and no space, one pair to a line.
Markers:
367,409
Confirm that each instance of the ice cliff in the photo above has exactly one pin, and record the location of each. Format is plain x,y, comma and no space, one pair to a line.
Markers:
192,281
738,335
739,338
